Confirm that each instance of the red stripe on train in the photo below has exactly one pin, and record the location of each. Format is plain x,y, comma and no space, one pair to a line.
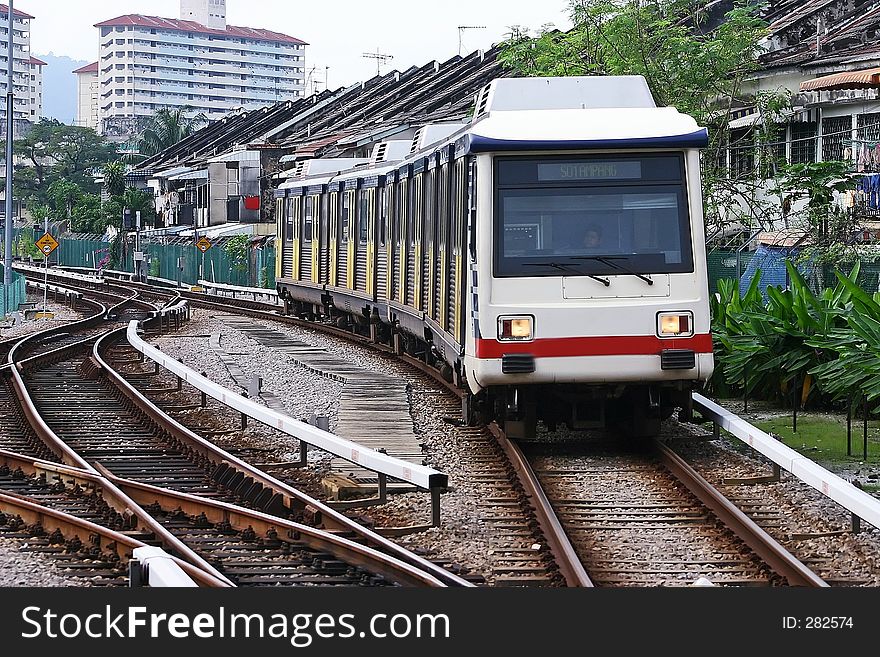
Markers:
616,345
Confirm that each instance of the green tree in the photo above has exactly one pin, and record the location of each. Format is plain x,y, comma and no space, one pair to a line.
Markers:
138,200
114,178
63,196
87,215
166,128
687,64
53,151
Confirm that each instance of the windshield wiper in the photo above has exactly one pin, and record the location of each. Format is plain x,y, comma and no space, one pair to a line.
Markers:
610,261
564,267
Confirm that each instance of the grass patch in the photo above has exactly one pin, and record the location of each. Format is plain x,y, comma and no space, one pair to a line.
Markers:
823,437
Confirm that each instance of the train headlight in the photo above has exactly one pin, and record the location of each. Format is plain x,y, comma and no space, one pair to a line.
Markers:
675,325
515,329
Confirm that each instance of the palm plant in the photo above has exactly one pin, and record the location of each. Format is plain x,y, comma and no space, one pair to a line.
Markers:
166,128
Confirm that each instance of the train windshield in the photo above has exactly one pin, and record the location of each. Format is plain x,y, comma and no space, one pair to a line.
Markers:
591,215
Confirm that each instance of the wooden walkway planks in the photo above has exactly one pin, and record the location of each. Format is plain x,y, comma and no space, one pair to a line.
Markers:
374,408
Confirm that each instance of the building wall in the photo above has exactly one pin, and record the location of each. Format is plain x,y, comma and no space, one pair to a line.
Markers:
142,70
210,13
22,68
87,105
36,91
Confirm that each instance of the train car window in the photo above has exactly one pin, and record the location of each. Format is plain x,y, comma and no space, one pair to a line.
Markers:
459,204
385,196
288,229
333,214
323,212
361,216
443,200
430,205
347,209
416,215
309,217
591,215
404,205
471,208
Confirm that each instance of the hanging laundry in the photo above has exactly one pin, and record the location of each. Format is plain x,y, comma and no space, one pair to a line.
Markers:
863,157
877,156
847,154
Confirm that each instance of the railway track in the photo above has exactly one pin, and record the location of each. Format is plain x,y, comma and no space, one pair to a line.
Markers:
103,423
532,546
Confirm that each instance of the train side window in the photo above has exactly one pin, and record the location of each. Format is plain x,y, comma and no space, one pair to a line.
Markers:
443,200
309,218
459,200
430,205
363,214
416,216
405,210
385,207
288,224
471,207
347,207
333,214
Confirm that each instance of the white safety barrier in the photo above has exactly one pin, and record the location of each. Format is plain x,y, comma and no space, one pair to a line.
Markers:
829,484
95,280
152,566
418,475
56,289
235,289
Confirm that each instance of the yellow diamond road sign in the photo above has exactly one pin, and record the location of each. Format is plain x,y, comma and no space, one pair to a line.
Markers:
203,244
47,244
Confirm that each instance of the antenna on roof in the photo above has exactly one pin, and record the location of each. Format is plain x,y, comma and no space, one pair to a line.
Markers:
462,28
379,57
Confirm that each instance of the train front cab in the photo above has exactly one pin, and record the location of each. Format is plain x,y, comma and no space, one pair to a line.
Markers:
577,334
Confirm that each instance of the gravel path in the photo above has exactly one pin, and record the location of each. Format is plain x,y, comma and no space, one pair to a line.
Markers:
22,568
63,315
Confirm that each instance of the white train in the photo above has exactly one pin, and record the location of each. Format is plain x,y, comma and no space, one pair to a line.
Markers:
548,256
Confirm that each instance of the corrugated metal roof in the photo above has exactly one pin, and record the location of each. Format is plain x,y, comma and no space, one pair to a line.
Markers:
847,80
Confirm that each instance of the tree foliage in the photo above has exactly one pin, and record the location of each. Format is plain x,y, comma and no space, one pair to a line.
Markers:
55,151
689,60
166,128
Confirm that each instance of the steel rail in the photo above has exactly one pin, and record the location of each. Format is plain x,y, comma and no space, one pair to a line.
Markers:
121,503
87,532
570,565
288,496
240,518
764,545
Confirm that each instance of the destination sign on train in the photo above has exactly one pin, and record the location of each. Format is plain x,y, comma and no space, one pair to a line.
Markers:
589,171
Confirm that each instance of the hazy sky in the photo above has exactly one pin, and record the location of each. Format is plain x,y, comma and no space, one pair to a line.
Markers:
338,31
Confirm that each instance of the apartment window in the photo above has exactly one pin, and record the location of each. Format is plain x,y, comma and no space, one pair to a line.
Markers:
835,131
803,142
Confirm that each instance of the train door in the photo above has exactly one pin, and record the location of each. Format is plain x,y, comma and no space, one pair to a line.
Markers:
308,212
280,237
333,250
385,223
415,279
441,277
324,240
457,240
428,238
314,235
363,219
347,253
295,212
404,235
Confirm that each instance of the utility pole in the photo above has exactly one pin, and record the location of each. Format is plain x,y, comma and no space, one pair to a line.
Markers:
10,108
326,77
462,28
379,57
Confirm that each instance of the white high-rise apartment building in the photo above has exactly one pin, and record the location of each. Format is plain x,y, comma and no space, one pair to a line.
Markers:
87,96
198,62
27,70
